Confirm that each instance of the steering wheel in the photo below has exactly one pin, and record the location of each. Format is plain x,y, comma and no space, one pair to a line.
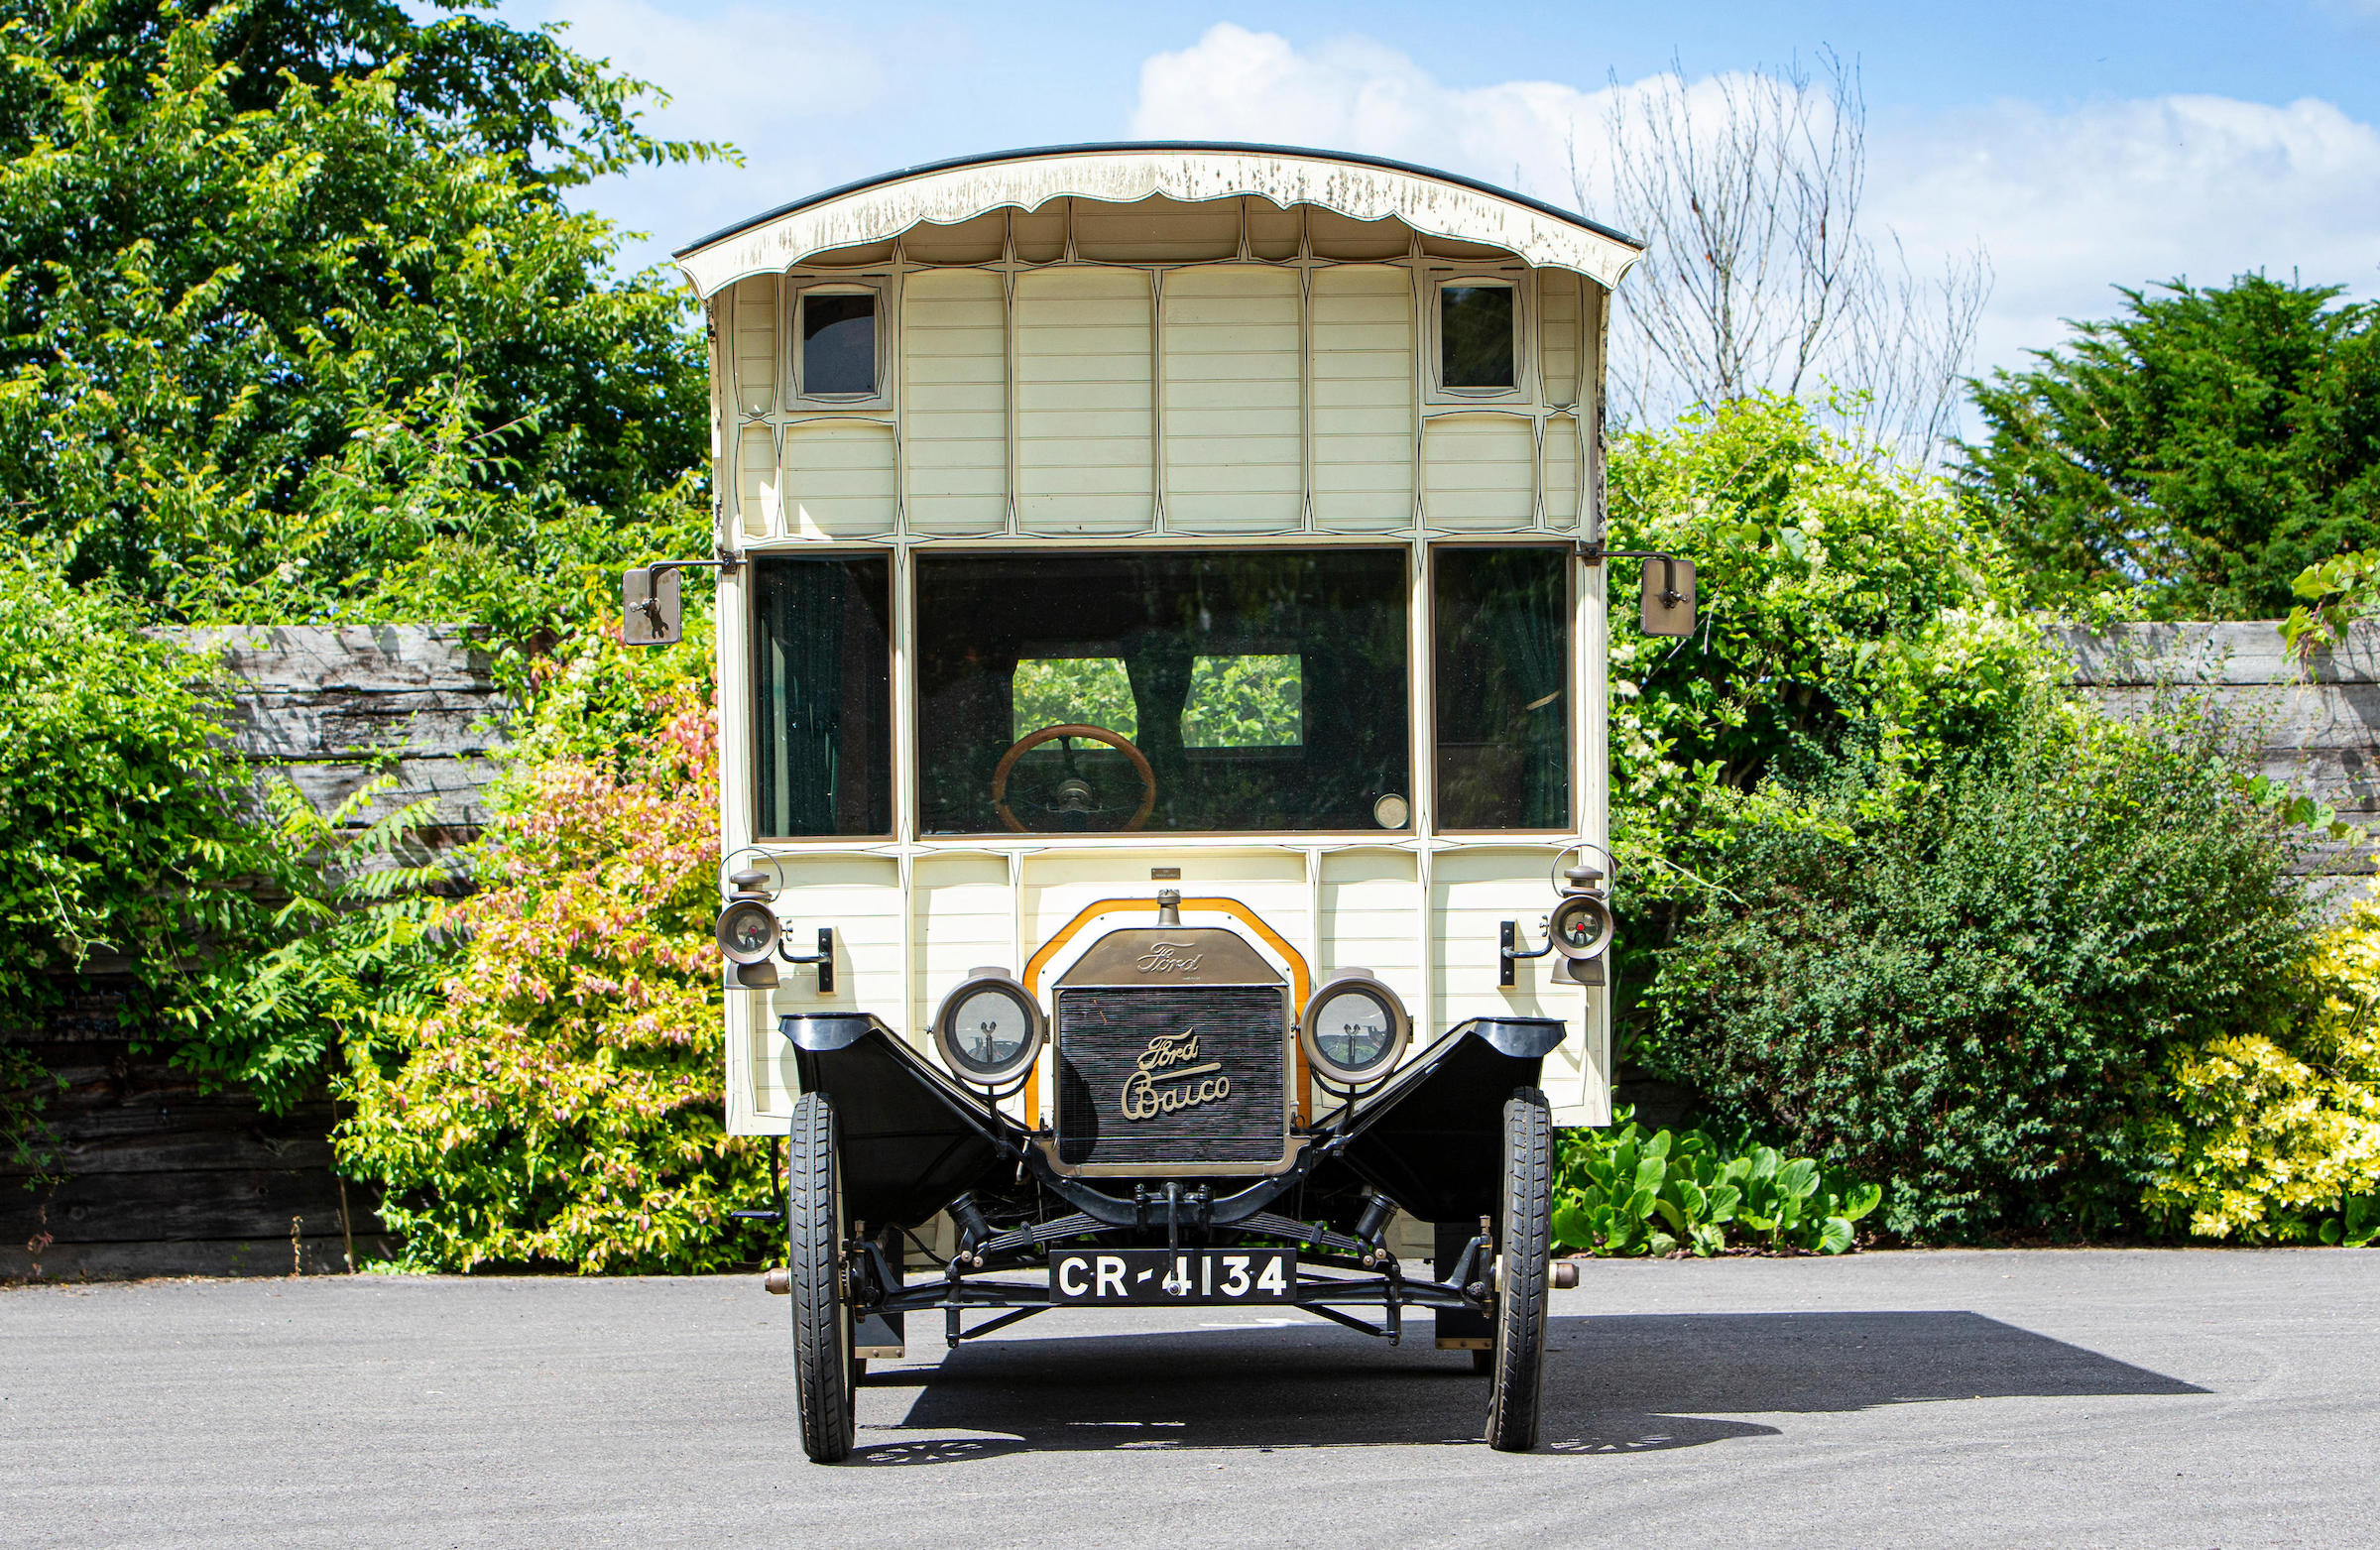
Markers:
1072,797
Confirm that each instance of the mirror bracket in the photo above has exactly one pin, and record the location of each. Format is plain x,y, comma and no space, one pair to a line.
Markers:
649,599
1668,608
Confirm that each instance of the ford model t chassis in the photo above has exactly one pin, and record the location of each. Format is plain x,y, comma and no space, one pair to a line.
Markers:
1175,574
1176,1169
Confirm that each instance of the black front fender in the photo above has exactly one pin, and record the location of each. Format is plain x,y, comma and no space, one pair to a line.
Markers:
912,1139
1432,1139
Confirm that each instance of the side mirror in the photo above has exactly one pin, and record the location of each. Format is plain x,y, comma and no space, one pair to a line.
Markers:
651,613
1668,596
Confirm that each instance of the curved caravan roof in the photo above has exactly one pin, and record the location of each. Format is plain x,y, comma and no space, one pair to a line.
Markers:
1359,187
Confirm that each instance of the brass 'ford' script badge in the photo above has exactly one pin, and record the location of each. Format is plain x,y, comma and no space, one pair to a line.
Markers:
1169,1078
1168,958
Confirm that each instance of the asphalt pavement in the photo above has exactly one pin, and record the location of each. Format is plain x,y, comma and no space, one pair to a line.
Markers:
2152,1398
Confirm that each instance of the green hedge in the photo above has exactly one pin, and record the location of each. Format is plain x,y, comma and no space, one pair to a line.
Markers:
1971,990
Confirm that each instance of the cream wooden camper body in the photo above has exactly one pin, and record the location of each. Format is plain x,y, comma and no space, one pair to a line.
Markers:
1165,348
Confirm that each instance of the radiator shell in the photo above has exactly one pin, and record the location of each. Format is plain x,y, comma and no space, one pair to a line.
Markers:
1173,1050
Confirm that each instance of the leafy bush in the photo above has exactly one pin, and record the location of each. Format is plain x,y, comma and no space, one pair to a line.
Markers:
348,947
560,1101
2276,1137
1622,1192
1969,991
120,813
1837,592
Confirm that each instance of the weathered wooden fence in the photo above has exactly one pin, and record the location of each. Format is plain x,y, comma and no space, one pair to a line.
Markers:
162,1179
158,1177
2318,722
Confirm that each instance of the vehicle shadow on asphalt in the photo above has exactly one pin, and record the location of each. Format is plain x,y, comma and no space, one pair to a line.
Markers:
1618,1383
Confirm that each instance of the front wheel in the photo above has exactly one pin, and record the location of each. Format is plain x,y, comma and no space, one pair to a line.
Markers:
1524,1242
825,1363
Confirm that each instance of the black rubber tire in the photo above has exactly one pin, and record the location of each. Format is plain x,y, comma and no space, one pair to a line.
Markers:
825,1365
1524,1242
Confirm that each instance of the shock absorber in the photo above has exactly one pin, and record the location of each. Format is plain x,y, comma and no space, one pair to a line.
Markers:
1371,1224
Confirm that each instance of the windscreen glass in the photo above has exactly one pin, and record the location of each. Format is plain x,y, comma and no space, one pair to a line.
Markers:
824,695
1502,687
1250,690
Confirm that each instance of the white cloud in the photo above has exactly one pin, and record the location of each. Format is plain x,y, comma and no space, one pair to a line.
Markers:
1353,94
2135,193
2067,203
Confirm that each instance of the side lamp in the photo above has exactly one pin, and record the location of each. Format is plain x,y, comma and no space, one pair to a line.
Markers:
750,937
1578,930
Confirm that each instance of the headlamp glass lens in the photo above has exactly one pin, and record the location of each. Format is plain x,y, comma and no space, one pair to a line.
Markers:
989,1029
747,932
1352,1029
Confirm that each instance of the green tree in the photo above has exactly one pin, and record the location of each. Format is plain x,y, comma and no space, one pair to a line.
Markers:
2206,446
1839,593
119,812
296,323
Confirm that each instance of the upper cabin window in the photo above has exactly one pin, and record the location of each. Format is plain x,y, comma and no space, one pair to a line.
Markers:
1502,687
838,344
1166,692
1479,336
823,694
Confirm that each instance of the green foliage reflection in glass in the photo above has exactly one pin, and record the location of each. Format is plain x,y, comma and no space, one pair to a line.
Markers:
1236,701
1058,691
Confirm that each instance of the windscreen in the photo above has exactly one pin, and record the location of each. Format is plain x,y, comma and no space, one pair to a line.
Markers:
1166,692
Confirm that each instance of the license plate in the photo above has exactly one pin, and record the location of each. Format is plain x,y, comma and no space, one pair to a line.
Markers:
1199,1275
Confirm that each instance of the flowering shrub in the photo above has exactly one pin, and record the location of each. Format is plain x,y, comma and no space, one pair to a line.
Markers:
2282,1144
561,1101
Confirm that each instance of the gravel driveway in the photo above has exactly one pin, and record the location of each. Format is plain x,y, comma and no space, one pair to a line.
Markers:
2154,1398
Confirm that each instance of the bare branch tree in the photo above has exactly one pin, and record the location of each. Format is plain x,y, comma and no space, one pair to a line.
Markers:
1747,188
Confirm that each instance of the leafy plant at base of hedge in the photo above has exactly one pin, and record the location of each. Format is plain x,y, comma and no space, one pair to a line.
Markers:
2275,1137
561,1103
1969,991
28,1145
1621,1192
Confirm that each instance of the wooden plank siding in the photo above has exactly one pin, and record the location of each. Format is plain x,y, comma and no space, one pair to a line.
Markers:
160,1178
2315,725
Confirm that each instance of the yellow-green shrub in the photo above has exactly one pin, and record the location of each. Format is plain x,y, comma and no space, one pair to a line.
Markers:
559,1102
2275,1144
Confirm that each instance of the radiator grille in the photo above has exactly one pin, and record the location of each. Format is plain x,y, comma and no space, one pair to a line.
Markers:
1104,1034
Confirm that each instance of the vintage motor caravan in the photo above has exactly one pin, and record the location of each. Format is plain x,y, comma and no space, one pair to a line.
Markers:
1161,612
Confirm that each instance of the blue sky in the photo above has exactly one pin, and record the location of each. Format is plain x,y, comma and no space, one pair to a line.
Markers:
2083,145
